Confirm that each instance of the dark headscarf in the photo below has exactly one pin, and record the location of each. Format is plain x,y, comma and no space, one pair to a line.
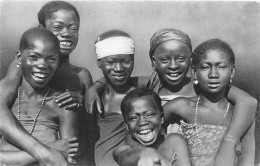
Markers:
164,35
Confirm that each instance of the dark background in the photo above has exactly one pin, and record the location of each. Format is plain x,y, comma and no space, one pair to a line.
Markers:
237,23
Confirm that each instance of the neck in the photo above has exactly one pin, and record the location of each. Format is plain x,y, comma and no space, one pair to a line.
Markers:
124,89
213,98
29,90
64,59
176,88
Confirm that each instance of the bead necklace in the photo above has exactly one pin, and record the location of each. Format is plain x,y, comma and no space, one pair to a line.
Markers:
39,111
196,118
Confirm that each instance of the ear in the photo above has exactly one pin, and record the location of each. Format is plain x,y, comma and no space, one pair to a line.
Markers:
153,62
162,117
18,58
99,63
233,71
40,25
194,73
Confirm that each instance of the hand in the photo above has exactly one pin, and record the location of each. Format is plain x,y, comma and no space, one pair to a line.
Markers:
69,100
68,146
48,156
93,100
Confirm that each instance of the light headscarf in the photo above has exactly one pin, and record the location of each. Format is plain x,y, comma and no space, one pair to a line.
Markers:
114,45
164,35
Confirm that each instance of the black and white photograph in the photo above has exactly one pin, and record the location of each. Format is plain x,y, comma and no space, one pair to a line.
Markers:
129,83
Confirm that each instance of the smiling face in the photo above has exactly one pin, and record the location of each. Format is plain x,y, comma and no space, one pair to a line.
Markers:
144,120
117,69
65,25
171,60
214,71
39,61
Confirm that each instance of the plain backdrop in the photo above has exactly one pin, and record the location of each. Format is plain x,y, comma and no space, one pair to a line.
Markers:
237,23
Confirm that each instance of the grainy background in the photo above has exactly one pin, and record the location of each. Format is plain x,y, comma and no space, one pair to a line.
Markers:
237,23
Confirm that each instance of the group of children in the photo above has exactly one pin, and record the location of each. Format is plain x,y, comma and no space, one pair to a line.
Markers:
167,119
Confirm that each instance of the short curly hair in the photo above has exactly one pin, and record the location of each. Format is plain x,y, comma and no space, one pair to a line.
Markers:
53,6
139,92
212,44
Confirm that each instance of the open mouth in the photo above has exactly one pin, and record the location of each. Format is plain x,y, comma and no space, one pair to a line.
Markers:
146,135
174,76
213,84
65,44
39,77
119,77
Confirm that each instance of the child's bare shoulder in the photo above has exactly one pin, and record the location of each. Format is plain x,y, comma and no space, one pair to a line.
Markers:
182,102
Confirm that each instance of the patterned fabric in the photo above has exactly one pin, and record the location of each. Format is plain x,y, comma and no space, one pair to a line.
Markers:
203,142
164,35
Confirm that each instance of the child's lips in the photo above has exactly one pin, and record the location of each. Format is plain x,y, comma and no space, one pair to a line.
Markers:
213,84
146,135
66,44
39,77
173,76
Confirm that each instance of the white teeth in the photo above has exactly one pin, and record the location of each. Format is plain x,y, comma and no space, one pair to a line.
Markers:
144,131
146,135
40,75
65,44
174,75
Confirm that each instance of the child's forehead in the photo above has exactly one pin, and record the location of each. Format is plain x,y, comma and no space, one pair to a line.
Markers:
143,101
66,13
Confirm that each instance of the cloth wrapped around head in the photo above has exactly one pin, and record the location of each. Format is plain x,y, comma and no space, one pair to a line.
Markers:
164,35
113,43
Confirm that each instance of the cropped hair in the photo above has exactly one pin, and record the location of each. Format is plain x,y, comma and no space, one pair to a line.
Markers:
139,92
37,32
212,44
53,6
111,33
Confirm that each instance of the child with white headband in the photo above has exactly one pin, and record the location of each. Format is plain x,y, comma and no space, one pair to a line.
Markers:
115,57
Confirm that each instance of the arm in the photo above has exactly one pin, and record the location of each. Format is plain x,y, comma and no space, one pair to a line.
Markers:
126,156
68,122
175,149
92,96
73,99
244,113
247,156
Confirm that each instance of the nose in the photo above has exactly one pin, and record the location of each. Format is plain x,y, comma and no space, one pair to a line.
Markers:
142,121
65,33
213,73
173,64
42,64
118,67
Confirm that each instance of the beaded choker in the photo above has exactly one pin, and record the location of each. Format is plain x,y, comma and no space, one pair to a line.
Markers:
39,111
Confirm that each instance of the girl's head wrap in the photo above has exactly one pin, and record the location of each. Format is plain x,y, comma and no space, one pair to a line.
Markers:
164,35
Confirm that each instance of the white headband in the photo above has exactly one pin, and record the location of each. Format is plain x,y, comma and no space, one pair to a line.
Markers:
114,45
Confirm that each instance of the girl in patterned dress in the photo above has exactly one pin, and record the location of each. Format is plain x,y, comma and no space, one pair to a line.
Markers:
207,116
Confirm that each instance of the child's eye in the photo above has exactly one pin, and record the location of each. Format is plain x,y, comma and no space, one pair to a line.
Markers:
222,67
164,60
181,59
33,57
57,27
132,118
204,67
149,115
74,28
53,60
